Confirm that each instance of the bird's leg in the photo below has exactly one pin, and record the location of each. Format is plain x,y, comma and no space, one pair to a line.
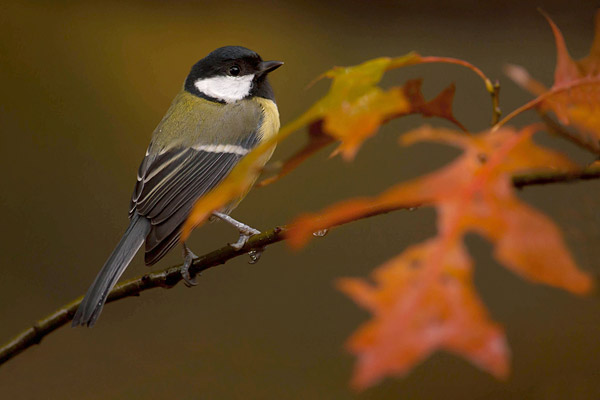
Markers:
244,230
188,259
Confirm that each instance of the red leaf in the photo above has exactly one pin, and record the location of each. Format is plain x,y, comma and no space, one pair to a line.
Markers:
575,95
415,314
350,112
423,300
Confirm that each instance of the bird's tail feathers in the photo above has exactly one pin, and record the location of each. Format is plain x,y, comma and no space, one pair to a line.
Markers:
93,302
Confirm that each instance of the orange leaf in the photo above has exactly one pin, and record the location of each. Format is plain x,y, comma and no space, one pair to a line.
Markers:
316,141
440,106
528,243
351,111
352,123
590,65
414,315
579,105
415,309
566,68
354,108
575,95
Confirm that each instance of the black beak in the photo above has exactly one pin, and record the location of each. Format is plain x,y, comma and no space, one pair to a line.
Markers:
267,66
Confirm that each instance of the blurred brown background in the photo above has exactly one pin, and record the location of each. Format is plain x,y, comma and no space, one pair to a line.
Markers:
83,84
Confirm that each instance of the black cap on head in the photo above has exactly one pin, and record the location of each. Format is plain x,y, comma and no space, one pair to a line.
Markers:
219,62
233,61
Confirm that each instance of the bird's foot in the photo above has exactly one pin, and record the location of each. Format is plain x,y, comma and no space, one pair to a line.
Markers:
245,231
243,239
188,260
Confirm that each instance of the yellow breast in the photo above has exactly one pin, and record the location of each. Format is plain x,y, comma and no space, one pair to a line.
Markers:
270,125
268,129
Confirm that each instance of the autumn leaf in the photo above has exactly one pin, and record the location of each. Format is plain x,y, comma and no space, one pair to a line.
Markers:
351,125
352,111
423,300
415,315
575,95
317,140
351,121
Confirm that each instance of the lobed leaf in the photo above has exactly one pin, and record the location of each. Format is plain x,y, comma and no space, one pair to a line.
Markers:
575,96
351,125
415,314
352,110
423,300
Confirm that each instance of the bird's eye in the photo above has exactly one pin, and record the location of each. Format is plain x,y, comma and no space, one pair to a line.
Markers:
234,70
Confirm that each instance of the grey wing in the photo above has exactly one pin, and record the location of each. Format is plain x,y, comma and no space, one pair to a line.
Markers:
169,184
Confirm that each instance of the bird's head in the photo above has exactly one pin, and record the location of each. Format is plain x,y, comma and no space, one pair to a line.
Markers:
231,73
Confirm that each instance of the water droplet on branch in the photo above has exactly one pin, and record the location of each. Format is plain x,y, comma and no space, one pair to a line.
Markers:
254,256
320,232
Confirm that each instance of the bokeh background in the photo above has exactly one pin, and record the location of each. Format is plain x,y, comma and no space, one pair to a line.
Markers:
83,84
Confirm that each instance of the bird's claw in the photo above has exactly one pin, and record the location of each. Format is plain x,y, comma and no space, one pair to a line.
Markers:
188,260
245,234
242,240
188,280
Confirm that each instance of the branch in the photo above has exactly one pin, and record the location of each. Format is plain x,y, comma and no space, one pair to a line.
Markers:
543,178
169,277
165,278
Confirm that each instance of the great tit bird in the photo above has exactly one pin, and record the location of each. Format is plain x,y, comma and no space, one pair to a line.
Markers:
225,108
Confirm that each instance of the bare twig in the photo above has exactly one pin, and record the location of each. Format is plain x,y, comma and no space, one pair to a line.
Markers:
543,178
494,90
165,278
169,277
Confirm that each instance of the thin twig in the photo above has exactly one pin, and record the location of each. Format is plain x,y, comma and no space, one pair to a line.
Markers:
543,178
494,90
169,277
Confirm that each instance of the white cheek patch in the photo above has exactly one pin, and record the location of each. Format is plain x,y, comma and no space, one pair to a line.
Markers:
226,88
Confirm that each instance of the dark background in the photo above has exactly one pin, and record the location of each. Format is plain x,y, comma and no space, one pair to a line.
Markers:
84,84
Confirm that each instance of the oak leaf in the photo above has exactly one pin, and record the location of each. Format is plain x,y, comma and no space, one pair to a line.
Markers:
423,300
575,95
415,315
352,124
350,112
